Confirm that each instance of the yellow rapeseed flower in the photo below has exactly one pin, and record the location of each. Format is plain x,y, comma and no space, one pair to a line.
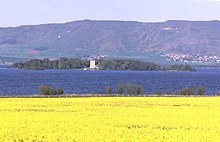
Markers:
128,119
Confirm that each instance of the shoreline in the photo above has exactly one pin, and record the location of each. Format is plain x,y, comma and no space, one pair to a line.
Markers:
105,96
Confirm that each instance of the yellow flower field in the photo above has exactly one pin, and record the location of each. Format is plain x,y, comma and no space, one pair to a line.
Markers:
130,119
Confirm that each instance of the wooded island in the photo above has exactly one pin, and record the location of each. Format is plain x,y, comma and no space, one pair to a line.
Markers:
102,64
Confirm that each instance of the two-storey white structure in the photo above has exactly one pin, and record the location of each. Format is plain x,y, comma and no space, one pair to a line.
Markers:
92,64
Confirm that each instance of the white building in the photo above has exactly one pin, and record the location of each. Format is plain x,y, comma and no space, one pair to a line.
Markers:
92,64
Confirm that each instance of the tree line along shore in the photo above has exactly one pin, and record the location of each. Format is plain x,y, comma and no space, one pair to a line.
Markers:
120,90
129,89
102,64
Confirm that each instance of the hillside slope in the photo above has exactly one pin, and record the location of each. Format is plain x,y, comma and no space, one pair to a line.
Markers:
111,38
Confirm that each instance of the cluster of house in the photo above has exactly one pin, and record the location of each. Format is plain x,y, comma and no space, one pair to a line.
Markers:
188,58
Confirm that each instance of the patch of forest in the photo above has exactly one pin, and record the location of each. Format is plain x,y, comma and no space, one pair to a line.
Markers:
103,64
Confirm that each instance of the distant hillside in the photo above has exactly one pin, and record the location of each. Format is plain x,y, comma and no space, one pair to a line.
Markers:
112,38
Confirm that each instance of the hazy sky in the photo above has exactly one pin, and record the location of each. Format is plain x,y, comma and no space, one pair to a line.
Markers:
26,12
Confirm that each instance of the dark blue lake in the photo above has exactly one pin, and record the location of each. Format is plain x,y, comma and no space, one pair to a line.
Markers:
21,82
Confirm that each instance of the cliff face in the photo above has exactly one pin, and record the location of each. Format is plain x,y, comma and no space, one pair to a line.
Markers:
112,38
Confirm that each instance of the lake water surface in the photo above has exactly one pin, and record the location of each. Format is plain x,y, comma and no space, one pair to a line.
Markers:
21,82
